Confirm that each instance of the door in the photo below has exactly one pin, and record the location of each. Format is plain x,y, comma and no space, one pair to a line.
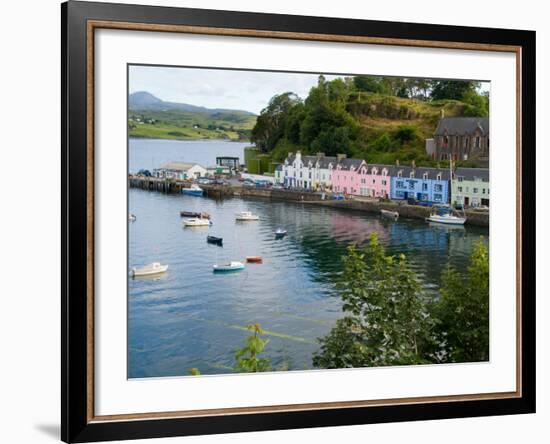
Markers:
466,201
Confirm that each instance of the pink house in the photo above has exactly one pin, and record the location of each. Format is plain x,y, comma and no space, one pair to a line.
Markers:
374,181
345,177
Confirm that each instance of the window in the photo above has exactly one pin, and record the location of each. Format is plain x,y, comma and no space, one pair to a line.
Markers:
400,194
483,191
438,197
400,174
411,175
384,182
411,184
439,177
425,176
399,184
460,189
373,180
478,141
424,187
475,190
424,196
438,187
460,178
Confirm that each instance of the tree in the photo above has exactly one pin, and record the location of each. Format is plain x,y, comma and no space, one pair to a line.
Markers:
387,320
270,124
463,310
368,84
247,357
452,89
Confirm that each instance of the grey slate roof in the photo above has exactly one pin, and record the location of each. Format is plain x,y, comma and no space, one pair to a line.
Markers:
467,173
473,173
462,125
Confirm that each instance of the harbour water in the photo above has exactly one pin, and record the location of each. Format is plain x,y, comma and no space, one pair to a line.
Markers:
193,318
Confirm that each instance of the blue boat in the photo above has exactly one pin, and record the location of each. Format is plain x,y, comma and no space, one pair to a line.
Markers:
193,190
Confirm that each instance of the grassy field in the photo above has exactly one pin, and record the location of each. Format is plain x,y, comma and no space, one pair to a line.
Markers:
183,125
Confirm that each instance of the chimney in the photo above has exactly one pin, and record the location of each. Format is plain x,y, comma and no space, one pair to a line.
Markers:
341,156
396,162
413,164
442,113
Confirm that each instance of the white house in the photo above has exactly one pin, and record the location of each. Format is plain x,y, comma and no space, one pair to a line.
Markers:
310,172
180,170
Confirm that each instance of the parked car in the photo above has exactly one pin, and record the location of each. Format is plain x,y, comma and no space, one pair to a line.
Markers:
412,201
248,183
145,173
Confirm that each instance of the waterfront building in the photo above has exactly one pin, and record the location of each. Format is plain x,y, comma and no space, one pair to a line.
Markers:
374,180
470,187
180,170
345,177
461,138
309,172
426,185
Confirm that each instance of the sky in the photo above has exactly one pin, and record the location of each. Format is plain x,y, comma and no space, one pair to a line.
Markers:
219,88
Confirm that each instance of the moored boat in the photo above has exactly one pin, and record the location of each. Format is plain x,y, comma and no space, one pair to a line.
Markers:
280,233
193,190
214,240
446,218
254,259
132,217
201,214
149,270
231,266
197,222
389,214
246,216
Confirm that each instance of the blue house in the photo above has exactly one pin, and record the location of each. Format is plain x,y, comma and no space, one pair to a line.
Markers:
426,185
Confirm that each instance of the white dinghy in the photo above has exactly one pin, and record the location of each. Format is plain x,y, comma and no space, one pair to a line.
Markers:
149,270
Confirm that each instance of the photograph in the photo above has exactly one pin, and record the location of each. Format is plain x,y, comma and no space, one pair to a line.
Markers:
305,221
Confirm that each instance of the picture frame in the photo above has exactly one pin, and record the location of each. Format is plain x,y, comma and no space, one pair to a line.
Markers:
80,21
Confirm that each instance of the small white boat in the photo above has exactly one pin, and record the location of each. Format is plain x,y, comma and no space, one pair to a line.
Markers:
389,214
246,215
446,218
197,222
132,217
280,232
231,266
148,270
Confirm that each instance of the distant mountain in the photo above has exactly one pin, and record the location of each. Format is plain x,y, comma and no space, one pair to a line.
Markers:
143,100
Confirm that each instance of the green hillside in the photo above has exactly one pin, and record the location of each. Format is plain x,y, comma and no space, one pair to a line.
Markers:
381,120
150,117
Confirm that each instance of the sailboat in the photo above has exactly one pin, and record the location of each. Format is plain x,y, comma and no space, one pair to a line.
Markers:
447,217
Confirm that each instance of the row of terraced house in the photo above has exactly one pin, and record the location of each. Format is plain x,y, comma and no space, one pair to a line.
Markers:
355,177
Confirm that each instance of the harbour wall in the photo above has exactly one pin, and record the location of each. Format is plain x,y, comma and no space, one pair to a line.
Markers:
476,218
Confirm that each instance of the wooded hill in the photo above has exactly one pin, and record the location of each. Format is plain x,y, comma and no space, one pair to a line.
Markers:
376,119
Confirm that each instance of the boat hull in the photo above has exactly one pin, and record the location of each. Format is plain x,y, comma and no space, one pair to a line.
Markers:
446,220
228,270
215,240
197,193
136,272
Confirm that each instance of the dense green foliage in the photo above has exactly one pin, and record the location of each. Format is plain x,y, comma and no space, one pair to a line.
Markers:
247,359
463,312
380,119
389,320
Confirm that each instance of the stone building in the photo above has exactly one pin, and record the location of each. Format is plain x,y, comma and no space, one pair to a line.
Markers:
462,138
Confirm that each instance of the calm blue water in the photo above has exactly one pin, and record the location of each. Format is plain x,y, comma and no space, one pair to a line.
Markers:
191,317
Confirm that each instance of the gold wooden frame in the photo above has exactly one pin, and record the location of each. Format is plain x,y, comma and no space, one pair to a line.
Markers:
92,25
